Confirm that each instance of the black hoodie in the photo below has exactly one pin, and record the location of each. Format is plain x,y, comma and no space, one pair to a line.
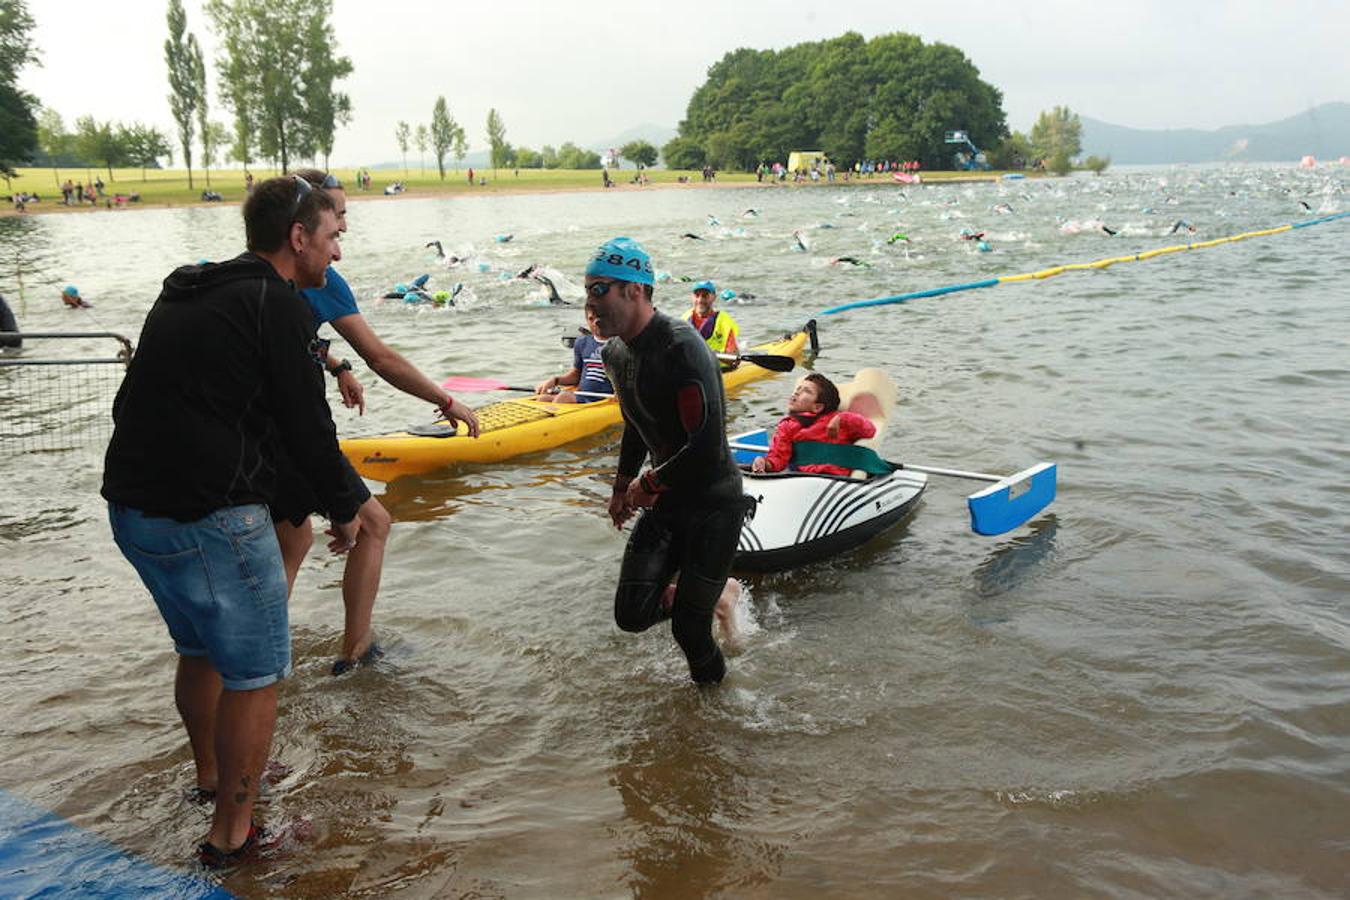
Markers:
225,374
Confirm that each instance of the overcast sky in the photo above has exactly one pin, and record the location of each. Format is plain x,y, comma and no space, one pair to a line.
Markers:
560,70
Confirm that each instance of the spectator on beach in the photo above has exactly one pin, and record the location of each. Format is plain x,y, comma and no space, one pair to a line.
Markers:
334,303
470,177
191,467
248,183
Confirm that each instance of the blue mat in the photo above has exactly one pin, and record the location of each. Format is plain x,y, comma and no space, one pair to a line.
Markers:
43,855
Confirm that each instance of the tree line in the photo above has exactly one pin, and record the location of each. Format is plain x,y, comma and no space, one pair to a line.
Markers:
892,97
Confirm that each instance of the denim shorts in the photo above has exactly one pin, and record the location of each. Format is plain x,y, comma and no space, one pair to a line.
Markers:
219,585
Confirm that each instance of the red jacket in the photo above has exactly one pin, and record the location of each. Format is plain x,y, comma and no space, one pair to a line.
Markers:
852,427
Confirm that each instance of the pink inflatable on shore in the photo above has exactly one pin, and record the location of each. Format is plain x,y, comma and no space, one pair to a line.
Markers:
907,178
1307,162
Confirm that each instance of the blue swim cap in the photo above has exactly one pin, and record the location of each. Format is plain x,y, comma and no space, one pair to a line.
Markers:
728,294
622,259
705,286
420,280
400,288
70,291
412,297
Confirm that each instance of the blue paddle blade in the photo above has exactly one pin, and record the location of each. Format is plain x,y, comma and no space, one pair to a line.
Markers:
1007,504
747,445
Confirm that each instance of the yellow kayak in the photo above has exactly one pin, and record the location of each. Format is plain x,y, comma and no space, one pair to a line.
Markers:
510,428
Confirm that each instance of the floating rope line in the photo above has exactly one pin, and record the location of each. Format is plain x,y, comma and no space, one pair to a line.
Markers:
1076,267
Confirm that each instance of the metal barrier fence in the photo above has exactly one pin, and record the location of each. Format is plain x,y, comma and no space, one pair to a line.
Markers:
56,390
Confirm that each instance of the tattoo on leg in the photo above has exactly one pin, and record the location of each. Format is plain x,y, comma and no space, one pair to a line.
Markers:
241,796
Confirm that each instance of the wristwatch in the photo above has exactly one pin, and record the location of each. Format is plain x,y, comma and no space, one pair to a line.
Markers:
344,366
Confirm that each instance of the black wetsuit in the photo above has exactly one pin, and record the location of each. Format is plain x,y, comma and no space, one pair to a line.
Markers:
670,391
8,323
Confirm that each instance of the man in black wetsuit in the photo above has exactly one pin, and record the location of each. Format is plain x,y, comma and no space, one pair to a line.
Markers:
670,390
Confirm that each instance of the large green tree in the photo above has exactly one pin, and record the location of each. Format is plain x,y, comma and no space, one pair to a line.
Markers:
892,97
422,138
278,65
324,67
443,130
184,60
639,153
499,148
18,109
1057,133
143,145
101,142
403,135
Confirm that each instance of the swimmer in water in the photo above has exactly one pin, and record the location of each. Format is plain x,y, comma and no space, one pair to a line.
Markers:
750,213
1304,204
1109,231
691,236
797,236
851,260
554,298
440,253
70,296
1180,224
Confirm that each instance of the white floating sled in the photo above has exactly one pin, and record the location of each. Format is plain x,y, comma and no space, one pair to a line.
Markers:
803,517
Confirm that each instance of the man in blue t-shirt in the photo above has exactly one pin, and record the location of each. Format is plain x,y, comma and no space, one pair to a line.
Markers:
335,304
587,373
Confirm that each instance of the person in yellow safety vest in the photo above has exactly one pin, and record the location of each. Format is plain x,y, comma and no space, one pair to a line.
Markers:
718,328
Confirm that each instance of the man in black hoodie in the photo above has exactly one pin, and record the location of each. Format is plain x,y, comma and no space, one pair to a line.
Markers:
228,369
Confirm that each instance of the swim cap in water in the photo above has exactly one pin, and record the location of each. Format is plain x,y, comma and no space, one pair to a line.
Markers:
70,291
622,259
705,286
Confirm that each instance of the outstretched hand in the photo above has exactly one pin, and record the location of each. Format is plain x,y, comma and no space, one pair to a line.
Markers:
455,412
353,394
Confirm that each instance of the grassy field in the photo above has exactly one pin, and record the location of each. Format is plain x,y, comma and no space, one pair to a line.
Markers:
169,187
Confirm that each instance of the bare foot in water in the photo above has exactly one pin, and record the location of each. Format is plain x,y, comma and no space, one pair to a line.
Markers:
725,614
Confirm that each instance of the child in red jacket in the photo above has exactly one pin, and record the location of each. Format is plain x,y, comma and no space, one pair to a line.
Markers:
813,415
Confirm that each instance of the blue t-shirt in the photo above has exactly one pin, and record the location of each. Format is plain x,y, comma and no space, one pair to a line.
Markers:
332,301
586,358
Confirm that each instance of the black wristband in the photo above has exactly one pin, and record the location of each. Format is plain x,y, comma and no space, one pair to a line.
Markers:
344,366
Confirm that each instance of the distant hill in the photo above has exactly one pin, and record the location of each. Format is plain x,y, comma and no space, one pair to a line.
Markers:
1323,131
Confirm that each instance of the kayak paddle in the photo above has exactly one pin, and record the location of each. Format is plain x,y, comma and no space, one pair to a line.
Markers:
460,384
772,361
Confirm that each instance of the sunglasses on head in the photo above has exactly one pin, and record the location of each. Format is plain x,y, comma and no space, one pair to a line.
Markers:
302,190
601,288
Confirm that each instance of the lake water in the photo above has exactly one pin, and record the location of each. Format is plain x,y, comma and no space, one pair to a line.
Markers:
1144,692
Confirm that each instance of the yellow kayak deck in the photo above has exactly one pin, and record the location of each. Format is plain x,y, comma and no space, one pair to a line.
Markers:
509,428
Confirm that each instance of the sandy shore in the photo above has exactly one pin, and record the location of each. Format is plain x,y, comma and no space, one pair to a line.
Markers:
505,188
